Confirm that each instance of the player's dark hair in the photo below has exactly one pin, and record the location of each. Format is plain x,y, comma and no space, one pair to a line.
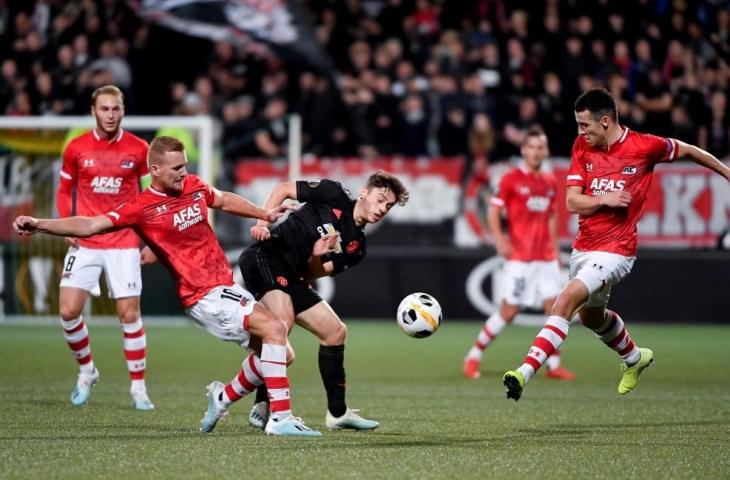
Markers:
107,90
534,131
381,179
599,102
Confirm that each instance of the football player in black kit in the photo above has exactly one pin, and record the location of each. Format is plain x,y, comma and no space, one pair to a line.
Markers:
324,237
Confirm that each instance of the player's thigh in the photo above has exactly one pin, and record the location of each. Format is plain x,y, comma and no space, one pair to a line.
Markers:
280,304
599,271
123,272
262,323
321,320
229,313
81,269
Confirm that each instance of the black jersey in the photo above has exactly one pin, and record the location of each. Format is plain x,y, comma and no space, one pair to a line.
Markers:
328,209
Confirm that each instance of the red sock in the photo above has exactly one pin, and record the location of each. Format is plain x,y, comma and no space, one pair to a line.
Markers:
248,378
614,334
77,338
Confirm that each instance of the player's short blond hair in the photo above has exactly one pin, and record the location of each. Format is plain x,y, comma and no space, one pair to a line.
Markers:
161,145
383,179
164,144
107,90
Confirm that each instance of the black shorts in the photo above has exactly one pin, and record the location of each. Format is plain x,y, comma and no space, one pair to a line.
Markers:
263,270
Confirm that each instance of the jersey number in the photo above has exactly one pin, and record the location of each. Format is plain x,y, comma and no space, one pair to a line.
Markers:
70,263
231,295
519,286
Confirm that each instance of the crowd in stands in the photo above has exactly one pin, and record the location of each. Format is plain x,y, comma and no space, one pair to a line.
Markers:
412,77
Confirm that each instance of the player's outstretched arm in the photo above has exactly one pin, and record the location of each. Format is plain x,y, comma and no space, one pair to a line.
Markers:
65,227
703,158
280,193
577,202
237,205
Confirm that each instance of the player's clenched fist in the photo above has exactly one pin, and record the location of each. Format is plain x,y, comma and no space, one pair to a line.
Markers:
25,225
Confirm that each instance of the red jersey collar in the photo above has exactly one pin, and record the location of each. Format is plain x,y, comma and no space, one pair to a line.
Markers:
156,192
527,171
621,139
117,138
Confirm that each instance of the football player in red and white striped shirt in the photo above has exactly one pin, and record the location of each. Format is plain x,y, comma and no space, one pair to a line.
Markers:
105,167
607,185
171,216
532,269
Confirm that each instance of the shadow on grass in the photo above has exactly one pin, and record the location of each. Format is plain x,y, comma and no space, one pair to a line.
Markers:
129,432
400,439
346,439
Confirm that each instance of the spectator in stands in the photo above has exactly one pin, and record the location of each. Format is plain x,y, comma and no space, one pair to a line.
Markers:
413,65
718,129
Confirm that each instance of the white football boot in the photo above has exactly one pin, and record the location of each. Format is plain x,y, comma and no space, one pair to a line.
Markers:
290,426
216,410
82,391
140,400
349,420
259,415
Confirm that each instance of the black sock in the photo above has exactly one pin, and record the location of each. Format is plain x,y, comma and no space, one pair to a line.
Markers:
332,370
262,394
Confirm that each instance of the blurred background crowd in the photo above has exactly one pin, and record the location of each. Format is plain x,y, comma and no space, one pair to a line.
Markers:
412,77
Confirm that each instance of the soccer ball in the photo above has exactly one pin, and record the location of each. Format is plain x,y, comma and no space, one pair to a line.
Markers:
419,315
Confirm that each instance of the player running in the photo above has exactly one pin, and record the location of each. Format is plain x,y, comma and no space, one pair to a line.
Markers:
105,167
171,216
607,184
322,238
531,271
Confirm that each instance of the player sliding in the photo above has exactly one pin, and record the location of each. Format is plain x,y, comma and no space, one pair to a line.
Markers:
171,216
322,238
607,184
532,271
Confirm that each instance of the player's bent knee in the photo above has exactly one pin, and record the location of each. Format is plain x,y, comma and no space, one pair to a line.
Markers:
129,316
337,335
290,355
70,312
276,328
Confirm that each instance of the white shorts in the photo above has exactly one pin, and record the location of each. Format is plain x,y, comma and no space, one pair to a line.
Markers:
82,268
599,271
222,312
529,284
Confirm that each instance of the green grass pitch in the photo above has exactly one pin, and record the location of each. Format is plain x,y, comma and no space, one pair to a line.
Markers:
434,423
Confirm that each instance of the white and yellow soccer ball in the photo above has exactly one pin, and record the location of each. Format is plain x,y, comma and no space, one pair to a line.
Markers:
419,315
